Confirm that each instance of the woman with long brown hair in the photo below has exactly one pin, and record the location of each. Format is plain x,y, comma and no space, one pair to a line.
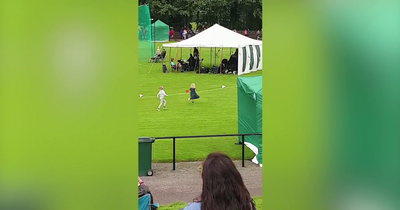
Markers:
223,186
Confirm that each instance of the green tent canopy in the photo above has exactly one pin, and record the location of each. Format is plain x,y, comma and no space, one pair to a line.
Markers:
249,92
160,31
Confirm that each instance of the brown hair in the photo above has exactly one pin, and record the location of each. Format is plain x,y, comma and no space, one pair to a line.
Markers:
223,186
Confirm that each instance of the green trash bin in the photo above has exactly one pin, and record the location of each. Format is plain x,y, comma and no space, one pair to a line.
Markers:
145,155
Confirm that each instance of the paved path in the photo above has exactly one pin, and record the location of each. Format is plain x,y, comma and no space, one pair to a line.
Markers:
184,184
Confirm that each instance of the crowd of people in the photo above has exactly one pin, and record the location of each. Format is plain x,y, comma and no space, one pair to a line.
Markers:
193,63
222,186
187,65
185,33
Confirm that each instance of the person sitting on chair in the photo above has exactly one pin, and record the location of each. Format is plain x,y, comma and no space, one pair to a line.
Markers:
156,56
162,55
232,62
236,53
177,66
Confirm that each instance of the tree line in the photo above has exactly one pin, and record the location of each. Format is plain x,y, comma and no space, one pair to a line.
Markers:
233,14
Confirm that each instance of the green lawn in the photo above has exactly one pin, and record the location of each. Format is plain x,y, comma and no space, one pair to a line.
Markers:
175,206
214,113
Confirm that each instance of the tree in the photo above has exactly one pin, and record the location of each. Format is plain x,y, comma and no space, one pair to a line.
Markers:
238,14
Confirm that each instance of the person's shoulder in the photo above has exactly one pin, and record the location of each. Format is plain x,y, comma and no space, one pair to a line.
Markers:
193,206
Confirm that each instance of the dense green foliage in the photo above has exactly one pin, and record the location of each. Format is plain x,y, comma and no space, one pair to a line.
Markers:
233,14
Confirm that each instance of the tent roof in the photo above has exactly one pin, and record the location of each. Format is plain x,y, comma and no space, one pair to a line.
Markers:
251,85
159,23
216,36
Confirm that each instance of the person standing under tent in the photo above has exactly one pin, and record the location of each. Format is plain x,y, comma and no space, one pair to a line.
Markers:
191,62
161,94
193,94
196,57
195,52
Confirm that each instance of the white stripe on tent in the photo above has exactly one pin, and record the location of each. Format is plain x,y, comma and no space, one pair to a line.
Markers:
254,149
246,59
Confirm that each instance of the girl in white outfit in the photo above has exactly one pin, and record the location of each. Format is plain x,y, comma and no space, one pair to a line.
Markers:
161,94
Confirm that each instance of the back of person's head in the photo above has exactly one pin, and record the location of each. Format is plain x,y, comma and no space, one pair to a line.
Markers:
192,85
223,186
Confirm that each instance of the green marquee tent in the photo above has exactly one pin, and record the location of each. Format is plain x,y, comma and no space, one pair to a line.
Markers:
249,97
159,32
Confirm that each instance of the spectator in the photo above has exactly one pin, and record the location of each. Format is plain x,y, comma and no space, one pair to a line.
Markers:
223,186
195,52
175,66
158,52
140,181
184,33
143,190
196,58
171,34
191,61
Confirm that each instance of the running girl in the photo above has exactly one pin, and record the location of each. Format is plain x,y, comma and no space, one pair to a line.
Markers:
193,94
161,94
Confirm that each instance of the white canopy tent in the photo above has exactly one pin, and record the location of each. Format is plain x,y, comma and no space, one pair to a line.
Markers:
249,50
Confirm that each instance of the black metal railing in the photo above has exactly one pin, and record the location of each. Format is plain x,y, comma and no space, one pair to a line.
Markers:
205,136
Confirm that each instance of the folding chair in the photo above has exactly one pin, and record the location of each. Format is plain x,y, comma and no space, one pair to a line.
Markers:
145,203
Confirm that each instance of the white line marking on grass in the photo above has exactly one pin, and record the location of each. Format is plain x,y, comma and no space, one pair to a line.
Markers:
200,91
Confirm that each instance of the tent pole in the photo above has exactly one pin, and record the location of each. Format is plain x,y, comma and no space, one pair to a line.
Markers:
176,57
163,60
199,60
181,53
220,66
215,56
170,49
210,56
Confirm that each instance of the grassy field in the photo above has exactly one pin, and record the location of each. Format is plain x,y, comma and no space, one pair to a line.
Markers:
175,206
214,113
